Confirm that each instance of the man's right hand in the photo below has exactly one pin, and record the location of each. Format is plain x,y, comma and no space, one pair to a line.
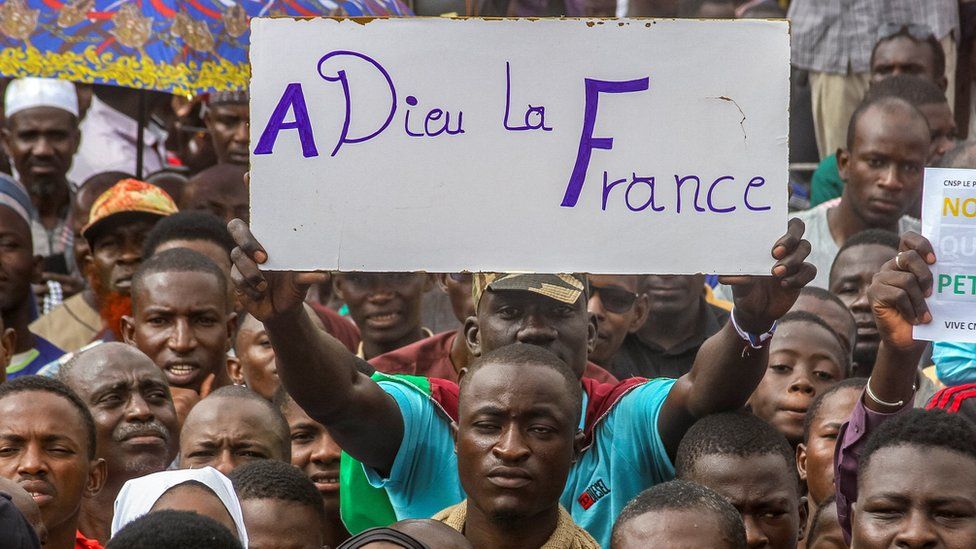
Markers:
899,289
265,294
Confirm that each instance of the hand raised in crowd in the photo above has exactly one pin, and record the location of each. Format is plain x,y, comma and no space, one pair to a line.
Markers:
898,292
265,294
761,300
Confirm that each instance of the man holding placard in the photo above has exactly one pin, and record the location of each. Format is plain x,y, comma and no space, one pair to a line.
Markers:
381,424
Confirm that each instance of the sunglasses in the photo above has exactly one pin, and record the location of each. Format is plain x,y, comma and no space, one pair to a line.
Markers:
615,300
917,31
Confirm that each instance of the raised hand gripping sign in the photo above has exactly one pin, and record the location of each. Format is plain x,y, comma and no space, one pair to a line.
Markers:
554,145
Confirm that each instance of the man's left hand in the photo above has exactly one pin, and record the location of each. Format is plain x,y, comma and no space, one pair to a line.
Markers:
761,300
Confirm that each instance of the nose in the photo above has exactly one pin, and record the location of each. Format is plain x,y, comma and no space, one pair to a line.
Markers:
891,178
327,452
42,147
131,252
181,339
224,462
862,303
536,331
510,447
917,533
241,132
801,383
31,463
755,537
138,409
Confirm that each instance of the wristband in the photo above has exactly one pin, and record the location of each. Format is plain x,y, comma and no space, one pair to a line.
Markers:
755,341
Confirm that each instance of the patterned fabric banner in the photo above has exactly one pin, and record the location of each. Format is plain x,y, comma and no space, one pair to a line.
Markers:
179,46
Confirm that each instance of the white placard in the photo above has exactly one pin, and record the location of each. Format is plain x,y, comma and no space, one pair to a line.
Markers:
949,222
631,146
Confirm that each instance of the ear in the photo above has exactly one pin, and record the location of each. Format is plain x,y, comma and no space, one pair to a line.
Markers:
843,163
803,510
429,282
801,461
472,335
75,140
235,371
642,307
8,342
129,330
591,330
943,83
578,440
37,272
97,474
337,281
5,141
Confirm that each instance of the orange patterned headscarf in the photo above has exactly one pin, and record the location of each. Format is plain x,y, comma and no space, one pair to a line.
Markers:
128,196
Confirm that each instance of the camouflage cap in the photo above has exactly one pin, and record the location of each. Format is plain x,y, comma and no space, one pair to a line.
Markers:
565,288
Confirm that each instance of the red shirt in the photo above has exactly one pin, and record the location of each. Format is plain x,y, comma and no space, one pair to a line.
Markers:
81,542
431,357
338,326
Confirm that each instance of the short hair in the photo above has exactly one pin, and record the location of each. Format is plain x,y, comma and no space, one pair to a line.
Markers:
815,523
269,479
524,354
188,225
921,428
914,89
803,316
28,384
938,54
962,155
884,102
814,409
280,424
167,528
684,495
880,237
179,260
822,295
738,434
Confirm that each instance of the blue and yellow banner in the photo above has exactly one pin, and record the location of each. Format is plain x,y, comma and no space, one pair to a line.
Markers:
179,46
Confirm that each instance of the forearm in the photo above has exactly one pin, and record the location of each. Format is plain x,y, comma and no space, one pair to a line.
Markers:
893,377
321,375
723,375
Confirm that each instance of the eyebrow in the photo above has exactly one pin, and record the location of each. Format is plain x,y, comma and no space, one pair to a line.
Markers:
537,410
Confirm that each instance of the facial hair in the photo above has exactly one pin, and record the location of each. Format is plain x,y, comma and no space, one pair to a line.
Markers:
112,305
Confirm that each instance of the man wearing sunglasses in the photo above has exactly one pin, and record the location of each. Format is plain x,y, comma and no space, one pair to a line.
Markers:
833,42
620,308
679,321
444,355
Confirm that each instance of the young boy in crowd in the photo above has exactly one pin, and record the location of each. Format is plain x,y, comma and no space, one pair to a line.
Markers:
805,358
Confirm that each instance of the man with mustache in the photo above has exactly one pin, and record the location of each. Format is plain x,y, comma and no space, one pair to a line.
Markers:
41,136
135,422
117,226
47,445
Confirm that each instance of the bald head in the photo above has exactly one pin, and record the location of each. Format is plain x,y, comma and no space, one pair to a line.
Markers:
219,190
91,365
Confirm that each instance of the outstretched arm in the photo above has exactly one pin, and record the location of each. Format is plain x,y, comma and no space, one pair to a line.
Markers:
316,369
727,370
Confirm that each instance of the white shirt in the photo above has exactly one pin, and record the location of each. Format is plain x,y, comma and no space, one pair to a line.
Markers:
108,143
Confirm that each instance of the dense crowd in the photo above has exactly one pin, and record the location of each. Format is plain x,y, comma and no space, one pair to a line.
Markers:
161,389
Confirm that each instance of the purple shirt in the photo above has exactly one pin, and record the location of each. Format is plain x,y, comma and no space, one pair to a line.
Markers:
850,443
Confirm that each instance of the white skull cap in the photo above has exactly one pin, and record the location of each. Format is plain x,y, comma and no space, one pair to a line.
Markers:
28,93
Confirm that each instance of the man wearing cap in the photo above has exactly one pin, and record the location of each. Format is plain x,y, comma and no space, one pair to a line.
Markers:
227,117
18,268
118,224
109,133
632,429
40,135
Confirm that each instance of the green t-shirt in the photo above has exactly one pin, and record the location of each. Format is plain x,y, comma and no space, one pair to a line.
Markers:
826,183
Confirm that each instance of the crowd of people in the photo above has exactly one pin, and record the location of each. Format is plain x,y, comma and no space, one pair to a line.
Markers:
160,388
